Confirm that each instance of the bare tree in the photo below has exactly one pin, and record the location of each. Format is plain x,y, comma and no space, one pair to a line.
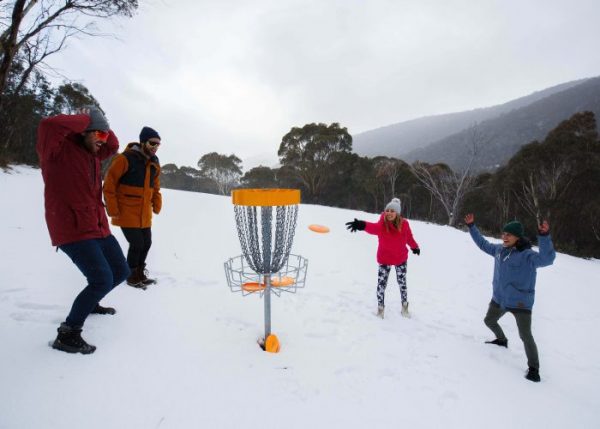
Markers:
390,169
447,186
39,28
503,204
541,188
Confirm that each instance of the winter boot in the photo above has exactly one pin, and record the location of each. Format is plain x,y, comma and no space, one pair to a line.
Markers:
533,374
103,310
404,311
69,340
502,342
135,279
144,275
380,310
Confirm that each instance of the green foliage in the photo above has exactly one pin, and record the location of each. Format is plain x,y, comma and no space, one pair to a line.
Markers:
309,153
556,179
21,114
260,177
70,97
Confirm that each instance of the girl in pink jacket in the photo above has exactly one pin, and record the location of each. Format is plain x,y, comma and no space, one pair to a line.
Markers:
394,234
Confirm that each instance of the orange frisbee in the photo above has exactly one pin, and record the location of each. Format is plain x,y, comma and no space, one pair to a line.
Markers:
253,286
322,229
282,281
272,344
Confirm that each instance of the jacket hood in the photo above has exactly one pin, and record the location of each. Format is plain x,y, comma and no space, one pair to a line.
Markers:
137,147
523,243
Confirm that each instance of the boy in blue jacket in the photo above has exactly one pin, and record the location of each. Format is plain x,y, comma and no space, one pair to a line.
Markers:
515,265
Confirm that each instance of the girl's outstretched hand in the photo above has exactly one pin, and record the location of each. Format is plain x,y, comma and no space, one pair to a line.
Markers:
356,225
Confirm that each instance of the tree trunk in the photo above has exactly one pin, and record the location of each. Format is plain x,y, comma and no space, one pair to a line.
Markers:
9,45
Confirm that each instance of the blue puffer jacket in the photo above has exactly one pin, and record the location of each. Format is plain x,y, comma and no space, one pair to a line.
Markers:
514,270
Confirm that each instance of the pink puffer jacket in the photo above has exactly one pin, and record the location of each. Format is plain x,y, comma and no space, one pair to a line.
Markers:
392,248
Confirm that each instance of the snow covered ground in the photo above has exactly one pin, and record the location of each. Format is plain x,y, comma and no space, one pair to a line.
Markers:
183,354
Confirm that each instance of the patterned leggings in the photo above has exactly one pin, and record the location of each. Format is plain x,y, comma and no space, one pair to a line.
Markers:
382,278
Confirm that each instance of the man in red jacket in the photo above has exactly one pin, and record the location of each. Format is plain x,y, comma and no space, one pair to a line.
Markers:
70,148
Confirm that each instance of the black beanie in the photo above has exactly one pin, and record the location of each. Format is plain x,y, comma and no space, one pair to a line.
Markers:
147,133
515,228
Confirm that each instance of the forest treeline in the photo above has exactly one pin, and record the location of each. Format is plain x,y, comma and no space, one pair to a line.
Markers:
557,178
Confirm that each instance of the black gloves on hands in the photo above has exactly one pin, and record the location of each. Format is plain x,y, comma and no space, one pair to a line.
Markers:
356,225
416,251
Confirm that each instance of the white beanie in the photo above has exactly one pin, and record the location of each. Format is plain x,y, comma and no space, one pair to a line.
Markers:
394,205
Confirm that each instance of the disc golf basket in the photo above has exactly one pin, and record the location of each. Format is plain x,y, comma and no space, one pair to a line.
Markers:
266,223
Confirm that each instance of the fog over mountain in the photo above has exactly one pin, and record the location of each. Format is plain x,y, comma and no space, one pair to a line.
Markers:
502,129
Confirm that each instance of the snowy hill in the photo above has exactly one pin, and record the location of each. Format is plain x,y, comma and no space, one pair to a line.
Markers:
183,354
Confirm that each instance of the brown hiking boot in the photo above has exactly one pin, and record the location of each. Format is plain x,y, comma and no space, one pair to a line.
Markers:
135,279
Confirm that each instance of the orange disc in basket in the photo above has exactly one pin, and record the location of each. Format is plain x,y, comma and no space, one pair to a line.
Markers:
272,344
253,286
282,281
322,229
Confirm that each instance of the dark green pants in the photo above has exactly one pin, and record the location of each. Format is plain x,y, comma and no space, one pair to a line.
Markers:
523,318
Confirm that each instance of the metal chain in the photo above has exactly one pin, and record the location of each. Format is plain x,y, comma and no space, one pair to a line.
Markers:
262,254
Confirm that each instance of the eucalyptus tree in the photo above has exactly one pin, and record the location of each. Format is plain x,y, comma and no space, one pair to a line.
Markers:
309,153
224,170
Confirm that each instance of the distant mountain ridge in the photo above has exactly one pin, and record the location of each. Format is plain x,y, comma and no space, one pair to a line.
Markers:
443,138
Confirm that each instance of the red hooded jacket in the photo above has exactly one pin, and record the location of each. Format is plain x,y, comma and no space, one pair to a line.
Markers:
72,178
392,248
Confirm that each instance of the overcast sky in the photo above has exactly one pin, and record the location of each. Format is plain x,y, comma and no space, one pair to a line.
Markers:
234,76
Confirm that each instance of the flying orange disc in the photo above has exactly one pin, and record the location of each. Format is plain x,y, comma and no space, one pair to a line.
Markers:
322,229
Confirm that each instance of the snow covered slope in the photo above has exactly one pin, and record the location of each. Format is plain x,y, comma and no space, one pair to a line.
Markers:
183,354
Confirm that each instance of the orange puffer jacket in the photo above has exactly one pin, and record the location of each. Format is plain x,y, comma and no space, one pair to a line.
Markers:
132,188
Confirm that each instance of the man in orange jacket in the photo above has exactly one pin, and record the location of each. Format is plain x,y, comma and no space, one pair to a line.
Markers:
132,194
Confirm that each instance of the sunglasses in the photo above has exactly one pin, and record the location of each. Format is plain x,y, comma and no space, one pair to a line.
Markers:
151,143
102,135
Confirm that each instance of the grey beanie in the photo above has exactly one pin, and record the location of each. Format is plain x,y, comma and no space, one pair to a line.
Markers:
98,121
394,205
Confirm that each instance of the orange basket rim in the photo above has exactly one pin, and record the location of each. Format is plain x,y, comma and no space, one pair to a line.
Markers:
265,197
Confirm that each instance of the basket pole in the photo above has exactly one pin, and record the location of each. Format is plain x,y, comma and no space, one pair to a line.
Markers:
267,213
267,280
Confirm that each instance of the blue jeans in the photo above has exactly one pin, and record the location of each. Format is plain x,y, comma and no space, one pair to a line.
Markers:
103,264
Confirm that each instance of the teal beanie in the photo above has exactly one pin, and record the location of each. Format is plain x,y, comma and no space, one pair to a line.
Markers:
515,228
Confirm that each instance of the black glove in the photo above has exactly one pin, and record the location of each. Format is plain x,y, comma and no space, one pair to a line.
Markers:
356,225
416,251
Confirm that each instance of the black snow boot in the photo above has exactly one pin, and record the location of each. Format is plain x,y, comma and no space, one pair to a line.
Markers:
69,340
502,342
144,276
135,279
533,374
103,310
